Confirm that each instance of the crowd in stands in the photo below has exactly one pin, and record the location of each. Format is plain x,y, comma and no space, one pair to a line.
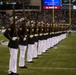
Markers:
4,20
59,17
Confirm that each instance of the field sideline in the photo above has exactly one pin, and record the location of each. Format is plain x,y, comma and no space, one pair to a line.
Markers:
59,60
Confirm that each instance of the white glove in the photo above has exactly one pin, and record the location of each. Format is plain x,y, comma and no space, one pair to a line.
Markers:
25,35
31,36
24,39
36,34
14,38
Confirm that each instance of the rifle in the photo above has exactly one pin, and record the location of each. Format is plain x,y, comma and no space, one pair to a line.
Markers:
36,24
24,17
30,23
24,14
40,27
45,23
14,21
31,30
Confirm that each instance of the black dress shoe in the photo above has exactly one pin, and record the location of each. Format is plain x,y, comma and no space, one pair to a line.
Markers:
13,73
23,67
36,58
31,62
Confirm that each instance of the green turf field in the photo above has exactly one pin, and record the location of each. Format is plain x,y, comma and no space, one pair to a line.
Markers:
60,60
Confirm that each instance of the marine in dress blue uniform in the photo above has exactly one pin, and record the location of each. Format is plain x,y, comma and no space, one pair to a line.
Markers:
11,35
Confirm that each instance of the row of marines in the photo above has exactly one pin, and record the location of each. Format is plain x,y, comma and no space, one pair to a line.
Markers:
36,38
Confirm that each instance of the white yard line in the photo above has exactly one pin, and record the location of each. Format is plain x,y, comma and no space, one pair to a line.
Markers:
46,68
60,54
51,68
62,46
